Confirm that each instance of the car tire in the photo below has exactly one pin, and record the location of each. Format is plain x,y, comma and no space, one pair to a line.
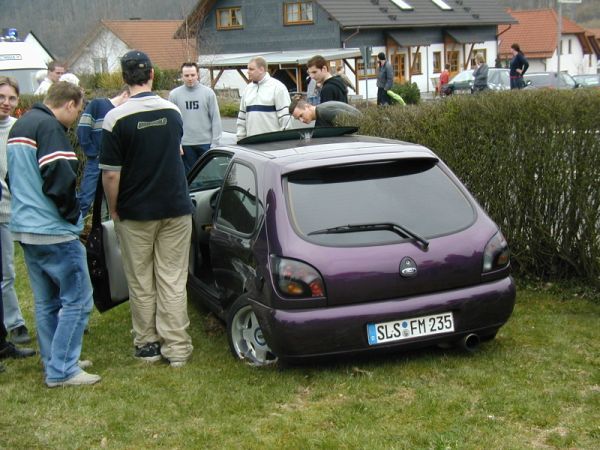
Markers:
246,340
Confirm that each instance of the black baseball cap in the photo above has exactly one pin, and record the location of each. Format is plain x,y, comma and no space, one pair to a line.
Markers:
135,59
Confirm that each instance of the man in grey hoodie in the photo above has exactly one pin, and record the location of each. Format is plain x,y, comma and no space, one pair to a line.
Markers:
200,113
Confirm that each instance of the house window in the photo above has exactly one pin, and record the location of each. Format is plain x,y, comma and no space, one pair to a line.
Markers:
452,60
482,52
398,61
297,13
570,50
100,65
437,62
415,67
371,68
229,18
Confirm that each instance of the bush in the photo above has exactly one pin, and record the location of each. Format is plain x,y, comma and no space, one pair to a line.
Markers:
532,159
229,108
409,92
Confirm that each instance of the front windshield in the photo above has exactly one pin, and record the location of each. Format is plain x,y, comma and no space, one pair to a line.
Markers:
463,76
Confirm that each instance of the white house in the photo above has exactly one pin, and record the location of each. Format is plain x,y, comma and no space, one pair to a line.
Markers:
101,50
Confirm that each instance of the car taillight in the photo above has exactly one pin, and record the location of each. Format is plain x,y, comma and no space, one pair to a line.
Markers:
496,254
296,279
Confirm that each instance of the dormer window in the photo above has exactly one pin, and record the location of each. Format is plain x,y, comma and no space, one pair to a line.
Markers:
442,5
402,5
298,13
229,18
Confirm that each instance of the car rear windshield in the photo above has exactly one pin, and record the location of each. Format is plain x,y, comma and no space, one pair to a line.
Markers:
414,193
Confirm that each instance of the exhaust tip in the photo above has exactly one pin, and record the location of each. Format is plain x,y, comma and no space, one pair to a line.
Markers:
470,342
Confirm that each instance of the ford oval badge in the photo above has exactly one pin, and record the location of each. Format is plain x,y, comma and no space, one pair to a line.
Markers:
408,267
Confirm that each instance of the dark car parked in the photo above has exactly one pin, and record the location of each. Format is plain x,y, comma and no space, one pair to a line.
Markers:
589,80
340,244
462,82
549,80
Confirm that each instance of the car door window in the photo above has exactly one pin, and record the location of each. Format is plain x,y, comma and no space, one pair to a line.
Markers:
211,174
237,209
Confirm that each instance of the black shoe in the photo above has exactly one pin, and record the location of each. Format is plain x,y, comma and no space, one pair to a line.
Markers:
20,335
11,351
149,352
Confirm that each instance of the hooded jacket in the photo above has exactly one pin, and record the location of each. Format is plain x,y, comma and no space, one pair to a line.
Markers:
334,89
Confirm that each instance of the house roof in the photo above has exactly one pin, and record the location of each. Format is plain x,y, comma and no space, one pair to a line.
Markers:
385,14
536,32
154,37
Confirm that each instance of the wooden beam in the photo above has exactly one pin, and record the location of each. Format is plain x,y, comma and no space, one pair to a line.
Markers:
292,75
218,76
242,74
466,63
412,63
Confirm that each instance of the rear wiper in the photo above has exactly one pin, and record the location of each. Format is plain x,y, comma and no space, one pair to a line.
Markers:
399,229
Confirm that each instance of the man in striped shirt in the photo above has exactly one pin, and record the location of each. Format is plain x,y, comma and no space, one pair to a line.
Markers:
46,220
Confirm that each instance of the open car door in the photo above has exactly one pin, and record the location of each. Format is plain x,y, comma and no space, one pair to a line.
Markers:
104,259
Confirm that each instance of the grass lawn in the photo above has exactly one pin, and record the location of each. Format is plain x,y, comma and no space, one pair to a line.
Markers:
537,385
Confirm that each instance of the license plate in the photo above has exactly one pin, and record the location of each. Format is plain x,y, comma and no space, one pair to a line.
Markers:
397,330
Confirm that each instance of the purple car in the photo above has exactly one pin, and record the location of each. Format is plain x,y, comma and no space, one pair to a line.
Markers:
341,244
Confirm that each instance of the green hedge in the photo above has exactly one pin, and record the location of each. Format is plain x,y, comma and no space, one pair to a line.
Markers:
409,92
532,159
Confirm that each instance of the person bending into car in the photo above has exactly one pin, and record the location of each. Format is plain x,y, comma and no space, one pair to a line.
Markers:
146,188
324,114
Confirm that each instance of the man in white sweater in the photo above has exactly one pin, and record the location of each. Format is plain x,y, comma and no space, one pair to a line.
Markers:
200,113
13,318
264,104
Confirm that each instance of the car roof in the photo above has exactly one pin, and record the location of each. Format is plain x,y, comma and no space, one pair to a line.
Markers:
313,152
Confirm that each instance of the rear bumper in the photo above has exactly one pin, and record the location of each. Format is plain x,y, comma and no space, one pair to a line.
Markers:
480,309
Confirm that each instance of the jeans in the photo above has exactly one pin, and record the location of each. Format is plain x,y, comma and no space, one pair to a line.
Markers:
63,301
89,182
13,317
191,154
382,97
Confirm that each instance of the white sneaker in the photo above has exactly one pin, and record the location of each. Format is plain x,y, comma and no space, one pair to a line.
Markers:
84,364
80,379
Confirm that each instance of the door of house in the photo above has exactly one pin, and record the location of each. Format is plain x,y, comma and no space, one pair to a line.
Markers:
452,59
399,66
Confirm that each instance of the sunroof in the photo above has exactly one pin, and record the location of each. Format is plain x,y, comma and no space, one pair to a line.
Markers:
298,133
402,5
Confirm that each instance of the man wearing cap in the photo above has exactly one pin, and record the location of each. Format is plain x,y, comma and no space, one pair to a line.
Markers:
148,200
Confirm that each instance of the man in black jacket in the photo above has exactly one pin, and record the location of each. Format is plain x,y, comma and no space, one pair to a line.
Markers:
333,88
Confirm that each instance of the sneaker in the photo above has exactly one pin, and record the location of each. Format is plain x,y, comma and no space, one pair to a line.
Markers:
78,380
20,335
11,351
149,352
84,364
177,364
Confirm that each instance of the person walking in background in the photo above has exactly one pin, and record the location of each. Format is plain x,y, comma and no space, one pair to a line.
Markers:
480,74
148,200
332,88
13,318
55,71
518,67
264,103
324,114
89,133
444,79
200,113
339,71
385,79
313,92
46,220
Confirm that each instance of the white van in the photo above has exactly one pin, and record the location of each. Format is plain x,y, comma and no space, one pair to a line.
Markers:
22,61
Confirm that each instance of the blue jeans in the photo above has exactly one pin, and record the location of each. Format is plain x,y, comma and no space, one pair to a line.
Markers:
63,301
13,317
191,154
87,187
